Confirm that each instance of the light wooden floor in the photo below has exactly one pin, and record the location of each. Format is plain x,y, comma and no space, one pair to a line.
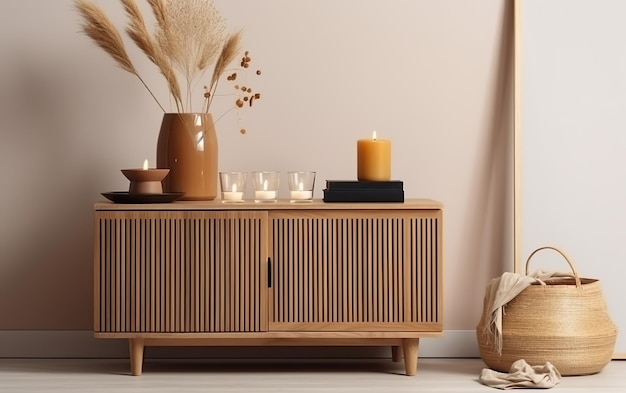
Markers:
433,375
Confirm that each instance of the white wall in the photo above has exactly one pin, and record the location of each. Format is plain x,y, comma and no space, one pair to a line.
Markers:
434,76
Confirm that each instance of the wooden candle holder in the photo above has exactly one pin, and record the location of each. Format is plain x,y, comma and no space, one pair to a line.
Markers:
145,181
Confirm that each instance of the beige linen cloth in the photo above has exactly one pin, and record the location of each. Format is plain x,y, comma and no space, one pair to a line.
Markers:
522,375
500,291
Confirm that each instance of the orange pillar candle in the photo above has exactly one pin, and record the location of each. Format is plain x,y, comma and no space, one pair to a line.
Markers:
374,159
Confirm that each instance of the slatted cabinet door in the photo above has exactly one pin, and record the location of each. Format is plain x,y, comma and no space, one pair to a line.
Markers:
180,271
356,270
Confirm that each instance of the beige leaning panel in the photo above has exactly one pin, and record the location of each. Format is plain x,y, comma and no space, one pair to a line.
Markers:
155,271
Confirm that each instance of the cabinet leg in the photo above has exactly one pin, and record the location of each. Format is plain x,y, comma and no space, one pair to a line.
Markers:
136,355
410,346
396,354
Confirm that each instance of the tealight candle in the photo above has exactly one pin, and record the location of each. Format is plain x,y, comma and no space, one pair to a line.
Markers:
233,195
265,186
299,195
301,186
374,159
233,184
145,180
265,193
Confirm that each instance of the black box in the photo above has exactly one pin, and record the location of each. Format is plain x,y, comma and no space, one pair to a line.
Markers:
364,191
364,185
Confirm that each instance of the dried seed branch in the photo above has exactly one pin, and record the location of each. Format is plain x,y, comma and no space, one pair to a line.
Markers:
190,34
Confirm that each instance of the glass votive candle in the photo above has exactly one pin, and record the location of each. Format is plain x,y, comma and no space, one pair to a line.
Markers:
265,186
301,186
233,185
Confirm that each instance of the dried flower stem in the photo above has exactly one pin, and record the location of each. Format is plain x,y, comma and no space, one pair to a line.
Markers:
138,32
100,29
191,34
188,38
229,51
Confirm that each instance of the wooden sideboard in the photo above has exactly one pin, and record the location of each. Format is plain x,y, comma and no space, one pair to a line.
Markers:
248,274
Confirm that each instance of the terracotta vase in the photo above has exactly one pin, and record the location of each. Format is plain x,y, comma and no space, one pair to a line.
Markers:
187,146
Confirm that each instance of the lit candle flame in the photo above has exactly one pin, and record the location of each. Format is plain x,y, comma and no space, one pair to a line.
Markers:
145,165
265,185
374,135
234,188
301,187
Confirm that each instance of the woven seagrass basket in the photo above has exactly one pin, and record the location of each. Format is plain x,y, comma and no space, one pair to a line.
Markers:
564,322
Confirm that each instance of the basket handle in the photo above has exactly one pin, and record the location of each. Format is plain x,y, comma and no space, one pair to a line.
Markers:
564,255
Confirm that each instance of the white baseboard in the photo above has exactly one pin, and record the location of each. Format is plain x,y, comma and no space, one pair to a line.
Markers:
82,344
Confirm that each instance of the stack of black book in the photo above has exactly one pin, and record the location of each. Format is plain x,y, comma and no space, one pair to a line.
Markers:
364,191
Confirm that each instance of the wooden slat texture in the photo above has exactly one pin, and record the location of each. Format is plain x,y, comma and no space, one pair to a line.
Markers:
181,271
356,270
424,272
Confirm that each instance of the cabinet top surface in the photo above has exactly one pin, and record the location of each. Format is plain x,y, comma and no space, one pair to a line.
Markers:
318,204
